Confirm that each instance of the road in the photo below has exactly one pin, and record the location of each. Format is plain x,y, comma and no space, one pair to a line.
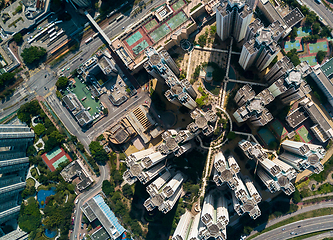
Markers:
115,113
306,226
321,11
321,236
85,196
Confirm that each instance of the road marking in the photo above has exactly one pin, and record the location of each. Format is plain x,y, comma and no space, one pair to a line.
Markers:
107,123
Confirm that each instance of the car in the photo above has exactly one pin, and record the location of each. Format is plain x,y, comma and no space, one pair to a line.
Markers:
81,59
283,229
123,27
88,108
63,69
45,88
158,116
136,96
146,102
45,76
125,109
299,226
68,68
26,99
292,233
296,233
75,237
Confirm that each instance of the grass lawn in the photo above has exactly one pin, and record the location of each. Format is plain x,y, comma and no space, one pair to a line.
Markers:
310,214
30,182
43,187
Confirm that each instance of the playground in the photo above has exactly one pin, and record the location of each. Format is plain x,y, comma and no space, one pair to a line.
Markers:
304,134
288,45
55,157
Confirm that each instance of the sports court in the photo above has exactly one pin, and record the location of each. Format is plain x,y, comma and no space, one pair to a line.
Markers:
150,25
303,31
279,129
304,134
288,45
177,5
318,46
133,38
82,92
266,135
177,20
160,32
311,60
140,47
55,157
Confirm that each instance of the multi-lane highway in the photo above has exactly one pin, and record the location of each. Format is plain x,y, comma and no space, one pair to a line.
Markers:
321,11
299,228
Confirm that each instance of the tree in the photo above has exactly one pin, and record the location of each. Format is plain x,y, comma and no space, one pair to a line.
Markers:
202,40
30,217
107,188
320,56
296,196
39,129
17,37
311,18
325,32
62,83
33,54
50,144
29,110
297,138
315,28
292,55
98,152
31,150
105,111
58,136
127,191
293,33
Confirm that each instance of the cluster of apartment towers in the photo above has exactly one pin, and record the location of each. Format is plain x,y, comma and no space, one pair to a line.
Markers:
276,174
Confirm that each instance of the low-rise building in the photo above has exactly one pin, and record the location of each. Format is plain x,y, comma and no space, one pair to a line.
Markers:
76,170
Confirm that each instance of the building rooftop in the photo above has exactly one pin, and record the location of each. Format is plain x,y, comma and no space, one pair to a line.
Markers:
294,17
327,68
97,208
296,117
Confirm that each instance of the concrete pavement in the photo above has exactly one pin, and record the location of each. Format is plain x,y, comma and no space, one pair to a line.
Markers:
300,227
84,197
284,217
321,236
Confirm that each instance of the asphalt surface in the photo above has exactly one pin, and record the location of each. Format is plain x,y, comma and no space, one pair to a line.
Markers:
306,226
321,10
85,196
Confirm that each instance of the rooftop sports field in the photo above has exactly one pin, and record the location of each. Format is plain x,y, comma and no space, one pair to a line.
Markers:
304,134
278,128
311,60
288,45
55,157
177,5
318,46
266,135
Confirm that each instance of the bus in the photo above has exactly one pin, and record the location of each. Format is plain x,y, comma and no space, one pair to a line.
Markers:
88,40
120,17
95,35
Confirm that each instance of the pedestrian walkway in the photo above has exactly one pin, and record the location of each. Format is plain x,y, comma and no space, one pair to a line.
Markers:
318,196
247,82
106,38
215,50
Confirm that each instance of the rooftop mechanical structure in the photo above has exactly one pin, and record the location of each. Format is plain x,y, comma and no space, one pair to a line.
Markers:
274,174
162,67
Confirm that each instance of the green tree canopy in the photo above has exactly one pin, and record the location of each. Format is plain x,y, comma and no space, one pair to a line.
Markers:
30,217
33,54
292,55
62,83
107,188
98,152
17,37
127,191
320,56
316,28
39,129
29,110
293,33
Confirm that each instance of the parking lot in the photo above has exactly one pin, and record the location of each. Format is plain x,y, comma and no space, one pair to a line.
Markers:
83,93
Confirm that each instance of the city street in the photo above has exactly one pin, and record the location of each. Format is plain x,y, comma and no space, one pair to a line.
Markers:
321,10
306,226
